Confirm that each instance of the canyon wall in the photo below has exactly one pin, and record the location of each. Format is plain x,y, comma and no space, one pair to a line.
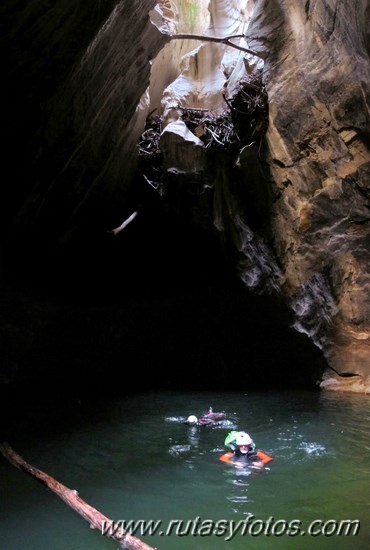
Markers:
74,77
79,84
318,80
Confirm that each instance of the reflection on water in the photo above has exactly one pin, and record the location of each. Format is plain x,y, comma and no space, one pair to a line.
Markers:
137,459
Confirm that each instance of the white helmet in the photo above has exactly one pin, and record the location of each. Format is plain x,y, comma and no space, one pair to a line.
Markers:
192,420
243,439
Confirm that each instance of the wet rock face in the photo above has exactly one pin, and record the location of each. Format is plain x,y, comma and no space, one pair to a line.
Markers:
318,81
75,76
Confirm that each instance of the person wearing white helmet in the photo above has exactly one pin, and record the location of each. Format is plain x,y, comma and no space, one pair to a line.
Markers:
244,446
192,420
243,451
209,418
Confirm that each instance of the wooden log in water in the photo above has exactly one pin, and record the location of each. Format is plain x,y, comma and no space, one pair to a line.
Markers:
96,519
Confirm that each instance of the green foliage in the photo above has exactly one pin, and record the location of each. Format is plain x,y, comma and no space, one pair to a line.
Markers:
191,12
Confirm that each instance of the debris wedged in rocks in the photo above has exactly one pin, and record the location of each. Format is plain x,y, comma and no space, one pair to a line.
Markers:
150,156
243,120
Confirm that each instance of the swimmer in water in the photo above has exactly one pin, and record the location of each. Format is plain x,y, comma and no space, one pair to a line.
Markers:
243,452
209,418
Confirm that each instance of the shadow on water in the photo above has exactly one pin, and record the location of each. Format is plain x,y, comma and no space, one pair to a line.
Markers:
133,458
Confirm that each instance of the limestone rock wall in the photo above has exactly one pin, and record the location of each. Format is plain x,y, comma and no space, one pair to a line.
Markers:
318,81
171,17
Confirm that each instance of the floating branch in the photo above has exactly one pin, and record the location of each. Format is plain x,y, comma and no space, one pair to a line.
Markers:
70,497
223,40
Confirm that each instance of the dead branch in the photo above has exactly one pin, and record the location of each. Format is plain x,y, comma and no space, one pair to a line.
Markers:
70,497
153,184
124,224
221,40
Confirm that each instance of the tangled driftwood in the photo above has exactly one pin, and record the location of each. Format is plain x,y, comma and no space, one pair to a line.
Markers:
150,156
249,109
243,121
215,130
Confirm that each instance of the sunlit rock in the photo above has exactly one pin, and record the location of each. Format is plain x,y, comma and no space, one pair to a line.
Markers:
174,17
182,150
204,69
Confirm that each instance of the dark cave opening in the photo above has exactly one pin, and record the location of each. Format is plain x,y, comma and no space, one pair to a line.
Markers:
159,306
87,314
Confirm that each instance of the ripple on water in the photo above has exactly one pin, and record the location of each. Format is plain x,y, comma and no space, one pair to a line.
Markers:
303,453
313,449
178,450
294,446
239,499
180,419
225,425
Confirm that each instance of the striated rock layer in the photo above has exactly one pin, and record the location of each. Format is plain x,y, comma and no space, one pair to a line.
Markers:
318,81
318,166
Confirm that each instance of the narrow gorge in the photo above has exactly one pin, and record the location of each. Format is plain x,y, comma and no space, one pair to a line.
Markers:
181,211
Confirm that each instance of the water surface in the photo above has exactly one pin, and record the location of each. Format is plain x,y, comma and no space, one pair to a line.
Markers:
134,458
